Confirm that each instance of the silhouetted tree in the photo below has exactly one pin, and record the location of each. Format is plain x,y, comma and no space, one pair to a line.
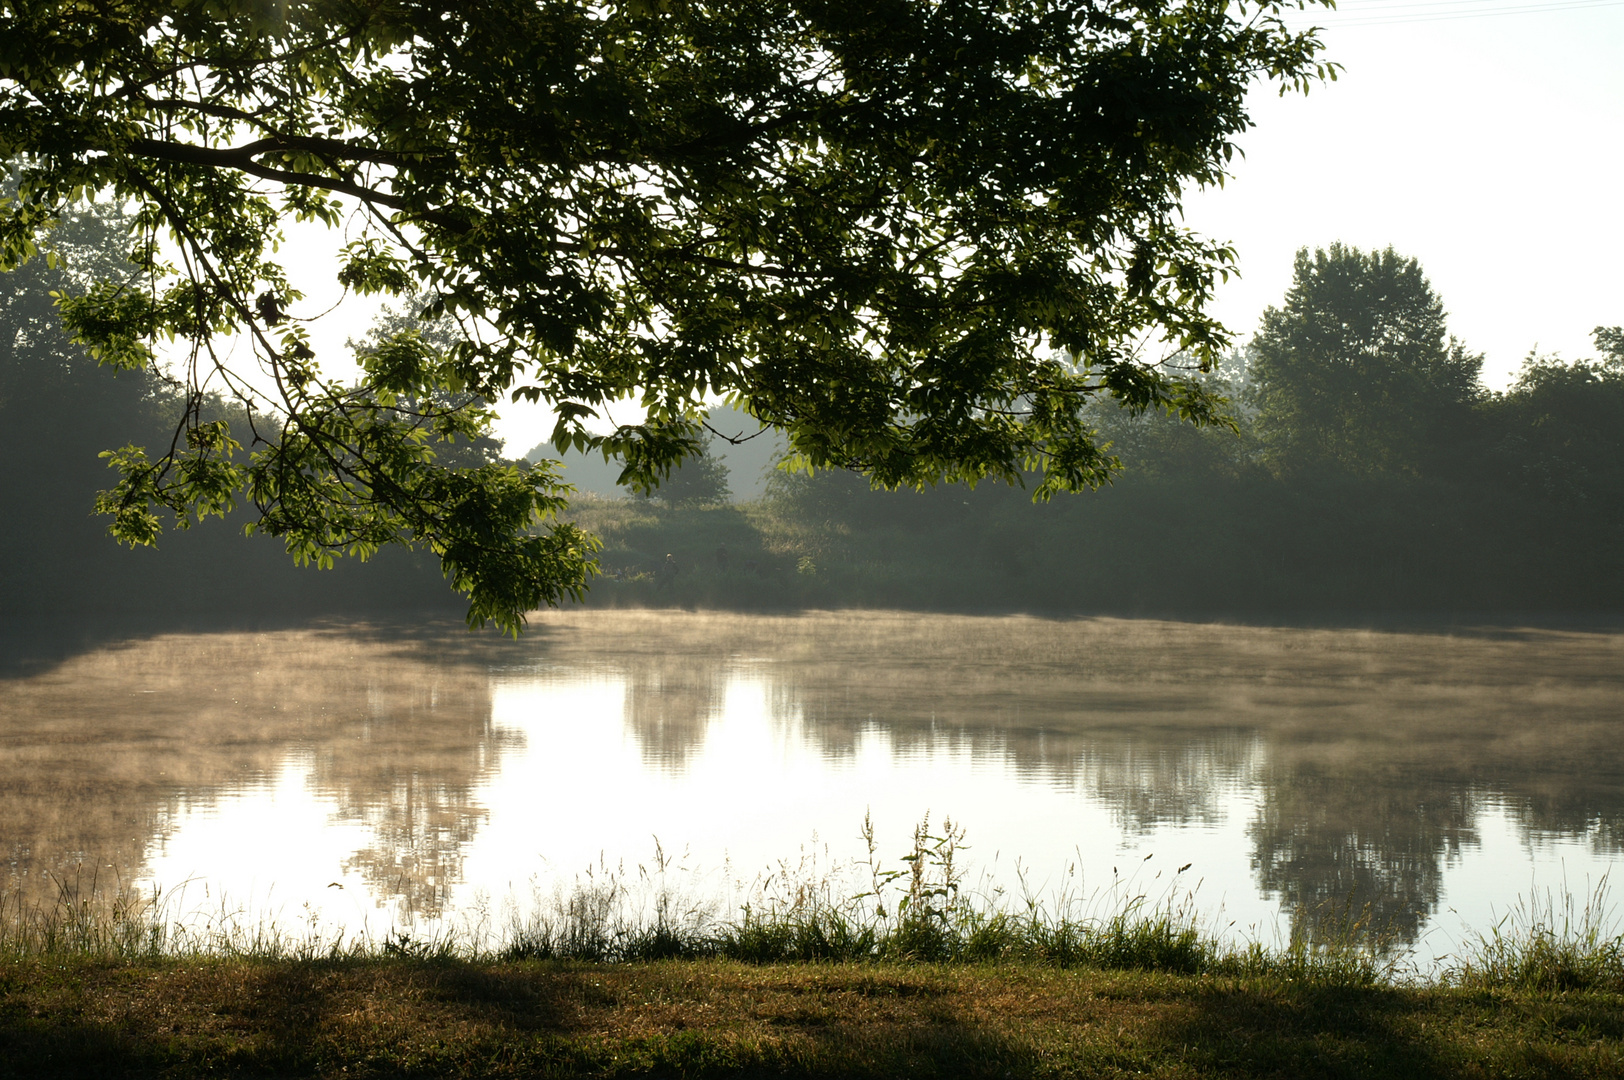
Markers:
1610,340
41,371
700,480
1156,444
60,409
1356,370
1559,424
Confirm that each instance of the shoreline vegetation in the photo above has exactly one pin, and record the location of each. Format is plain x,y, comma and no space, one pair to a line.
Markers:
917,975
1229,549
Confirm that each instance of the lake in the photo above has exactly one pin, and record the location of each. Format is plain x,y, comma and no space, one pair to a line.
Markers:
357,778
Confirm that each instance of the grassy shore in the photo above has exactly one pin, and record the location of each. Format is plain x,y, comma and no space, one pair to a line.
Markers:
710,1017
806,986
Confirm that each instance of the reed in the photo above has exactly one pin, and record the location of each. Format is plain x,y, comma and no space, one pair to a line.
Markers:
84,919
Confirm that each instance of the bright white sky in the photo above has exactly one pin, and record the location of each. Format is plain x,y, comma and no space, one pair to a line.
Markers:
1483,137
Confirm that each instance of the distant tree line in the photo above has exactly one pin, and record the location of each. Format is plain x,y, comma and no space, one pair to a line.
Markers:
1367,467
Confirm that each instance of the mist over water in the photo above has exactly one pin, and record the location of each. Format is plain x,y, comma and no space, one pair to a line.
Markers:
369,777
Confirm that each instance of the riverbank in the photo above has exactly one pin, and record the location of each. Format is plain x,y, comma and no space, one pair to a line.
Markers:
931,987
709,1018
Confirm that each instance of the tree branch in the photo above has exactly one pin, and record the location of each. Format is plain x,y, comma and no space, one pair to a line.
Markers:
241,158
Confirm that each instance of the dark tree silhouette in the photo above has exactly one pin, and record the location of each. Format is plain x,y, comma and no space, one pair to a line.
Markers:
1356,370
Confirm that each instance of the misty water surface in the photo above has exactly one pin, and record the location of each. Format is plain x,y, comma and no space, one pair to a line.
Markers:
370,777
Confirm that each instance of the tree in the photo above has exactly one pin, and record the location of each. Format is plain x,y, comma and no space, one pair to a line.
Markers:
389,330
1356,371
1558,427
699,480
917,236
37,364
1610,340
59,410
1155,445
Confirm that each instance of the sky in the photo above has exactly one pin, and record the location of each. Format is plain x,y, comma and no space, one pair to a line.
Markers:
1484,138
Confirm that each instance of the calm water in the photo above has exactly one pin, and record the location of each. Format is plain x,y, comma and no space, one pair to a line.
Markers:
358,777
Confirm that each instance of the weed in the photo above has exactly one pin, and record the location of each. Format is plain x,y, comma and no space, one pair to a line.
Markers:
1547,943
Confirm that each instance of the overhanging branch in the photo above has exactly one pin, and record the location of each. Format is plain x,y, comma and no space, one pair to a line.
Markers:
242,159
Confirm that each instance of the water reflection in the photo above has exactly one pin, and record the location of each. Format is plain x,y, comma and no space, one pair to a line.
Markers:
1153,783
670,703
1301,769
105,752
1368,754
1359,845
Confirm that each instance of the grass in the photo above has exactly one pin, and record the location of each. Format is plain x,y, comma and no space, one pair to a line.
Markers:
403,1016
918,910
912,974
1547,943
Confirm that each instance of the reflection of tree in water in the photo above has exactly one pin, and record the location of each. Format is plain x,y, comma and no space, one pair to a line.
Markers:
1150,782
671,701
1149,774
1607,834
410,777
1372,753
103,750
1335,846
1156,774
1582,797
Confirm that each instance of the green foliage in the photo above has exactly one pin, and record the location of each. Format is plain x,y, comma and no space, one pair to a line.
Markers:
699,480
920,238
1547,944
60,410
1155,444
36,363
1610,340
54,403
1355,372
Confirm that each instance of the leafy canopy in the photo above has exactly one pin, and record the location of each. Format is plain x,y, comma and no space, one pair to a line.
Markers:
54,402
916,235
